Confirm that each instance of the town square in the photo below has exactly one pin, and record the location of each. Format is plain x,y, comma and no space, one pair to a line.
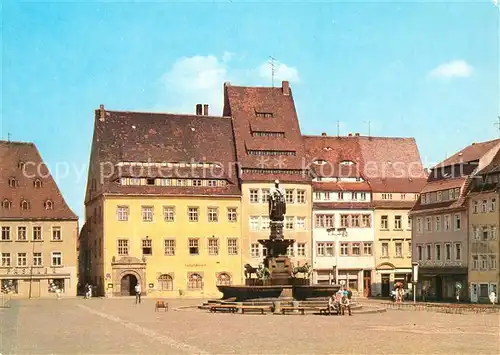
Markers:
261,178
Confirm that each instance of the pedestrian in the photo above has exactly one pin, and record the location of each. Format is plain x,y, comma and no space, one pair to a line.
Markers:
137,293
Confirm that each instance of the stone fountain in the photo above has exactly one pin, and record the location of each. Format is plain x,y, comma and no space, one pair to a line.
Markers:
277,277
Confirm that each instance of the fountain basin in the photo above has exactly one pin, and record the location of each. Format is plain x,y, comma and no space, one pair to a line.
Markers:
277,292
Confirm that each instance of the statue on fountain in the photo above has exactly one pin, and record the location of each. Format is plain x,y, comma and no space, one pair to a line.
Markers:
277,203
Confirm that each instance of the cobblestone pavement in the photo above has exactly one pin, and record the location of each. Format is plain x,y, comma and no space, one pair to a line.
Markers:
119,326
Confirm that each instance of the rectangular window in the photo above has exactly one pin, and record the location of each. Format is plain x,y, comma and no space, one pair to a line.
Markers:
169,247
56,258
327,196
301,196
363,196
356,249
301,249
447,251
213,246
458,251
493,205
232,246
264,195
290,251
122,247
409,223
384,222
475,207
438,223
213,214
438,252
366,222
6,260
439,196
22,259
344,249
419,225
169,213
458,222
147,247
428,224
397,222
301,222
484,262
420,255
385,250
193,214
232,215
254,223
399,249
254,196
147,213
340,196
264,223
288,222
22,234
428,252
493,262
344,220
197,182
475,262
409,249
56,233
5,233
122,213
194,246
356,220
289,196
255,250
37,233
483,206
367,248
447,222
37,259
320,249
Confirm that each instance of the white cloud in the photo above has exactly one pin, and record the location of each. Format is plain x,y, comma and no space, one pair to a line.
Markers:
227,56
453,69
281,72
197,79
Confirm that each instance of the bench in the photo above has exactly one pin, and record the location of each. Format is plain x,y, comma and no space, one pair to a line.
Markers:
262,309
291,309
224,308
161,304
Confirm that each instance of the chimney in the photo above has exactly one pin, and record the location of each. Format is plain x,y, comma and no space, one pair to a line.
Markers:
205,110
323,134
198,109
102,113
356,134
285,86
349,135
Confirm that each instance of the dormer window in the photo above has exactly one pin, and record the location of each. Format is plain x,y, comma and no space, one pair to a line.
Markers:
320,162
12,182
37,184
20,165
264,114
346,162
49,205
6,204
25,205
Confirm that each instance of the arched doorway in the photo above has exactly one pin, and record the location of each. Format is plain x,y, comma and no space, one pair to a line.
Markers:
128,283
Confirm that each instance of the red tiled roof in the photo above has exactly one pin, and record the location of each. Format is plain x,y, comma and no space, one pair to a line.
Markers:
389,164
445,205
242,103
470,153
393,205
493,166
11,154
439,185
161,138
396,185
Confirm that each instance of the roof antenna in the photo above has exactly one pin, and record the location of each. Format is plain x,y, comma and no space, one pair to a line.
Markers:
273,69
369,127
8,137
338,128
498,124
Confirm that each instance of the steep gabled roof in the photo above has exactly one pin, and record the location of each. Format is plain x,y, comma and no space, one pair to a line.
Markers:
389,164
159,140
32,182
257,111
470,153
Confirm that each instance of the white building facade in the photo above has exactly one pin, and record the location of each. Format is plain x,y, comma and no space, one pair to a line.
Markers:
343,234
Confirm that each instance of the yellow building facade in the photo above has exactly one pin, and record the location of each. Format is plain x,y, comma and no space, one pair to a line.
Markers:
297,224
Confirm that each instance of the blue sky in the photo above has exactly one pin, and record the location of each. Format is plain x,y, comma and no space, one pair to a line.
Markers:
426,70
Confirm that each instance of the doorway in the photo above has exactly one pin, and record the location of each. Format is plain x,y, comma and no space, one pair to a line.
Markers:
386,289
128,283
367,283
439,288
